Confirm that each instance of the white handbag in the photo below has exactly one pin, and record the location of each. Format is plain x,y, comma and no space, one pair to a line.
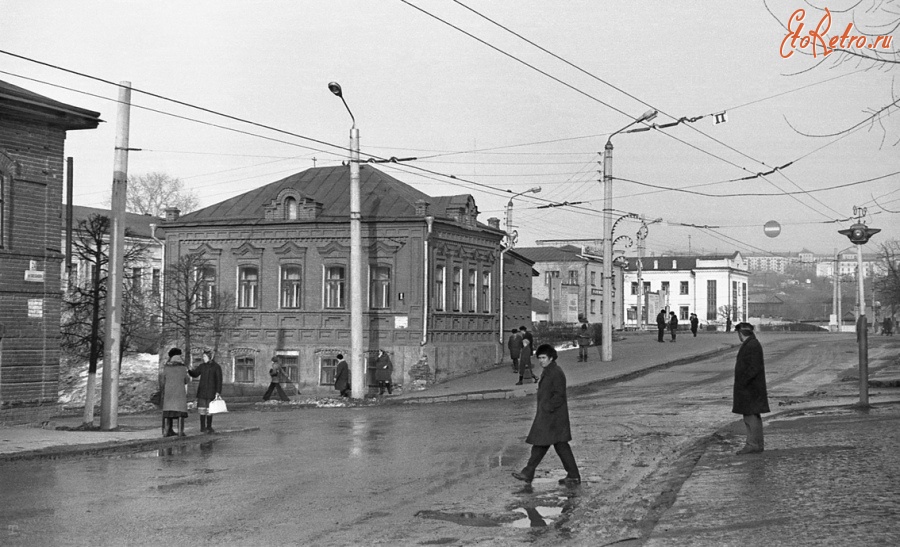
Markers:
217,405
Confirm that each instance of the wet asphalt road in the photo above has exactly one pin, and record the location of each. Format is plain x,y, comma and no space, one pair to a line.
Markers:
396,475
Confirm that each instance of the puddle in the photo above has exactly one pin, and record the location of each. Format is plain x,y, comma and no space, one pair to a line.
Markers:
464,519
205,448
536,517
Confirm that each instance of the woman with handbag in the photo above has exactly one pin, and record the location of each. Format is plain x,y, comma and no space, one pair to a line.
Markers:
208,389
173,384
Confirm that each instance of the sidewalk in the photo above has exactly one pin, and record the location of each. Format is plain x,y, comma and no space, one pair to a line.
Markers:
635,353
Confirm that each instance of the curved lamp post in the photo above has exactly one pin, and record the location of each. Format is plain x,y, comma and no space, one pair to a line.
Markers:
357,364
509,206
606,316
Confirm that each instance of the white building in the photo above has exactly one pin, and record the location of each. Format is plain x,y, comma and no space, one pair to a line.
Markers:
705,285
847,263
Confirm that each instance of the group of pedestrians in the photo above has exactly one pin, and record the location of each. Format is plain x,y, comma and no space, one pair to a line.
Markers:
670,323
521,348
173,387
384,371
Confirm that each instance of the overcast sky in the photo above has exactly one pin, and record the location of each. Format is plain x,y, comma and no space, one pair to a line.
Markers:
470,107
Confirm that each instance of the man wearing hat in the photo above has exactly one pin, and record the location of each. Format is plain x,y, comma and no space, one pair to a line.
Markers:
750,396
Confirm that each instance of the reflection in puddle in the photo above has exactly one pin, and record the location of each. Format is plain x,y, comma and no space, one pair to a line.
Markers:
536,517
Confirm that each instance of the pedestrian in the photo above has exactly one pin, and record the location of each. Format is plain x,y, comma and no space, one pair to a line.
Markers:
583,338
209,387
887,326
728,324
342,376
526,335
515,348
695,322
277,375
525,372
384,370
673,325
661,325
173,384
551,421
750,396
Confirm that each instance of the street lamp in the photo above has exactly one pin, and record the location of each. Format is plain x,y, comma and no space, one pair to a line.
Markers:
606,315
357,365
509,206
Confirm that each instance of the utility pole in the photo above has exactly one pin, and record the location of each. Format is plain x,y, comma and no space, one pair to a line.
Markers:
109,396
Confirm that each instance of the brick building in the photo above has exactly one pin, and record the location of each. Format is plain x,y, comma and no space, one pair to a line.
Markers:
281,252
32,175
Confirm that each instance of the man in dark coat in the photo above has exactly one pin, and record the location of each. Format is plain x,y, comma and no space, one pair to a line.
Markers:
673,325
278,375
750,396
551,421
384,372
661,325
526,334
208,388
515,348
695,322
342,376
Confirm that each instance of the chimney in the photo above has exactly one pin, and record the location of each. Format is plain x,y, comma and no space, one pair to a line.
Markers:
494,222
172,214
423,208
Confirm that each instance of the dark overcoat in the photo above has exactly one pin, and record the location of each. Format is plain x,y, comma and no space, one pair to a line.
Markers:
515,346
551,421
210,379
661,320
384,368
750,396
173,380
342,376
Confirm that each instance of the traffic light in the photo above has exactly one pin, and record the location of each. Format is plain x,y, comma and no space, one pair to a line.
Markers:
859,234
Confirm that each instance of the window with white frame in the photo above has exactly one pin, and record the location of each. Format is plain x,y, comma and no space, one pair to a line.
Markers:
335,287
683,312
486,291
244,369
327,365
440,294
683,288
473,290
457,289
291,286
248,287
379,287
206,291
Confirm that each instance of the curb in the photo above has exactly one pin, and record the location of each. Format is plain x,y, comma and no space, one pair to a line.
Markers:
137,445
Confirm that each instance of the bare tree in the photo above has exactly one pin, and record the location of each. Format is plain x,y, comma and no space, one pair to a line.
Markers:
84,303
152,193
887,286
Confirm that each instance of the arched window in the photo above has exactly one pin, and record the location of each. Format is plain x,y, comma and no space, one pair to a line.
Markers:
290,208
248,287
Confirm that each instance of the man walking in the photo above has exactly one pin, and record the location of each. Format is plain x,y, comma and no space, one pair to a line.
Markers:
583,338
661,325
695,322
551,421
515,348
277,374
750,396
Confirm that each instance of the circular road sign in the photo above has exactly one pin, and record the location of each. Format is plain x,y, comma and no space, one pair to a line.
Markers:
772,228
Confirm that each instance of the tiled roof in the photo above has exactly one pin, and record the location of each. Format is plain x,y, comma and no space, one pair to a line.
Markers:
382,198
16,101
135,224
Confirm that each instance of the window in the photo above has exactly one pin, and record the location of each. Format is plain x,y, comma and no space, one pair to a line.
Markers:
486,291
155,282
326,371
646,287
379,287
457,289
440,296
573,277
473,290
734,300
593,279
137,278
683,312
290,209
291,287
710,299
206,290
335,285
550,274
634,287
244,367
248,287
593,306
746,301
683,289
291,366
631,313
2,207
665,287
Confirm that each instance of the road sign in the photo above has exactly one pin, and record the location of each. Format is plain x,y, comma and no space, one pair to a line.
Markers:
772,228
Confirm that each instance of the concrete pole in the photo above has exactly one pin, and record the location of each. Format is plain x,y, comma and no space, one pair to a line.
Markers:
834,290
862,333
358,371
640,279
109,395
606,286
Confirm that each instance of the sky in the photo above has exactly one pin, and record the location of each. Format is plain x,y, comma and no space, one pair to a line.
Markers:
494,98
